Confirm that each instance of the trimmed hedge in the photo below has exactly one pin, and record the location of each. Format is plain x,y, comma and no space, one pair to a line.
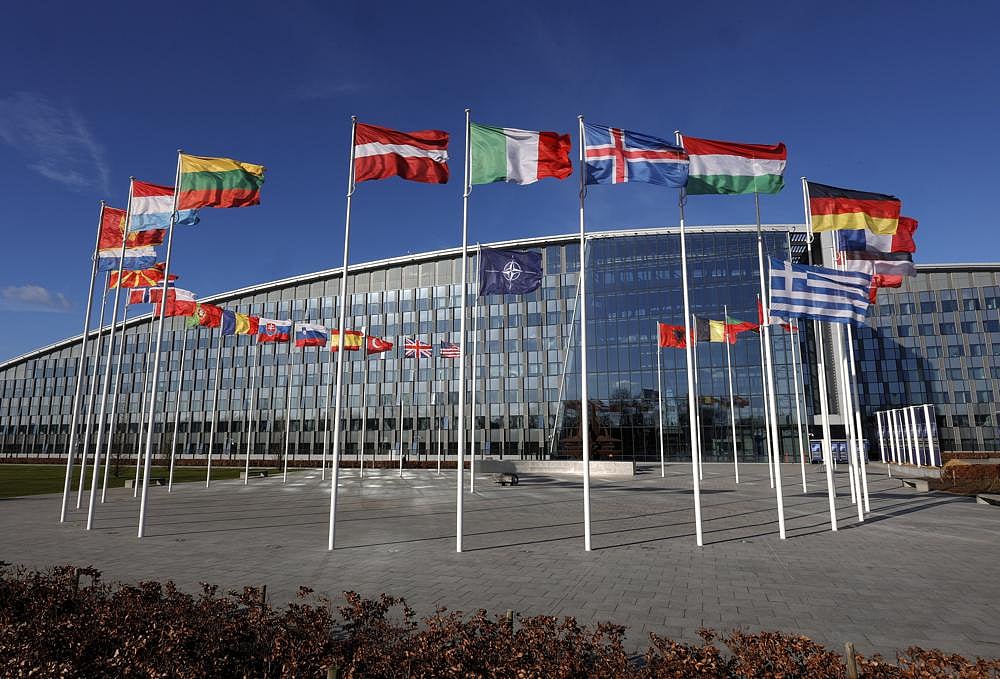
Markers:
52,624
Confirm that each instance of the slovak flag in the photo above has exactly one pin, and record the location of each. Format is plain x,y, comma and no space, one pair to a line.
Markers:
376,345
270,330
617,156
416,349
311,335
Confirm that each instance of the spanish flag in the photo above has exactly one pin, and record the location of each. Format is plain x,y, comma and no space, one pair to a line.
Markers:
352,340
833,208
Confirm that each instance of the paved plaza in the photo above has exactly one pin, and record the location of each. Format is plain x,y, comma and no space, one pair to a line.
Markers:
923,568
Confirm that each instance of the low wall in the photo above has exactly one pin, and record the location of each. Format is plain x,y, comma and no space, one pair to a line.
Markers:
601,468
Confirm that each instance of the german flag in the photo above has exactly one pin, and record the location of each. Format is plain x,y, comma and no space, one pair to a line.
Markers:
833,208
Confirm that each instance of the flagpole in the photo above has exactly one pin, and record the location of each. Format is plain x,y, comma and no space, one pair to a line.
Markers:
177,404
107,368
92,391
142,404
584,399
156,359
472,376
793,339
335,468
326,428
81,369
215,406
763,386
364,407
460,462
567,345
821,371
114,400
288,399
697,412
769,361
253,402
692,405
732,397
659,400
856,407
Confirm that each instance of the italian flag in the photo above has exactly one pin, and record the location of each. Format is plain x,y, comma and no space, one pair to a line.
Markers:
503,154
730,167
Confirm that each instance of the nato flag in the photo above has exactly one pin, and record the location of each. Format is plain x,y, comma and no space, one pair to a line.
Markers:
509,272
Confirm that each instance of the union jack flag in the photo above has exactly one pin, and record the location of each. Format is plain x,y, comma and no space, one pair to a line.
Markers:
617,156
449,350
416,349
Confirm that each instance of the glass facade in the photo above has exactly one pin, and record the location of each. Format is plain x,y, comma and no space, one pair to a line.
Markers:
526,374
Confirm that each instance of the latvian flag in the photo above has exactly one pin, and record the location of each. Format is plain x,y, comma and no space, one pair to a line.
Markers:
449,350
310,335
418,156
416,349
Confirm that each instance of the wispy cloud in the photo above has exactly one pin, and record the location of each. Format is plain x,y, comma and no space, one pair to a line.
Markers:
33,298
56,140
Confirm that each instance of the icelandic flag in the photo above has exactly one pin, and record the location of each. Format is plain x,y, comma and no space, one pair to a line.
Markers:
134,259
616,156
818,293
152,206
511,272
270,330
311,335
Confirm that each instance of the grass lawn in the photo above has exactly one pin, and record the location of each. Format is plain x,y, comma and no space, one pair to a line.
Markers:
35,479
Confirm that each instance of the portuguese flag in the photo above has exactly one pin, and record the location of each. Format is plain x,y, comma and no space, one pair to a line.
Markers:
735,326
833,208
503,154
218,182
731,167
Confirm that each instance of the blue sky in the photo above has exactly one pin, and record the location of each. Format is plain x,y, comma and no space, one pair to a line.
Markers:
895,97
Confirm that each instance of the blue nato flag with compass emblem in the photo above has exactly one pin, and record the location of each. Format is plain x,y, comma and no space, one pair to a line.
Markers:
509,272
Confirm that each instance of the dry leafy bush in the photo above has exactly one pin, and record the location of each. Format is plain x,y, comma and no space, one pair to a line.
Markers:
66,622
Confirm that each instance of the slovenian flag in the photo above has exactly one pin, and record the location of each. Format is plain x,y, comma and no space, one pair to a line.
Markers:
135,258
152,206
270,330
311,335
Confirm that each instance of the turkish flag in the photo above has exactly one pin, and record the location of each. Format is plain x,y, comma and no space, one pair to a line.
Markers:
376,345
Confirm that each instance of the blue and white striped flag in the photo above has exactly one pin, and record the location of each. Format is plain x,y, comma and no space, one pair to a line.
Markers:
818,293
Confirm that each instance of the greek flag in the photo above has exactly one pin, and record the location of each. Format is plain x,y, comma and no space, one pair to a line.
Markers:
818,293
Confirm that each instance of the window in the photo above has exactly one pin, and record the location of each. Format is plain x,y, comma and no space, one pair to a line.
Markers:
946,328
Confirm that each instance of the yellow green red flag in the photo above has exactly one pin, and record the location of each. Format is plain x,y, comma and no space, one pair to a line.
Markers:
218,182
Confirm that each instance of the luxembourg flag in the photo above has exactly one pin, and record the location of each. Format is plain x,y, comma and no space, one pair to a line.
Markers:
135,258
152,206
311,335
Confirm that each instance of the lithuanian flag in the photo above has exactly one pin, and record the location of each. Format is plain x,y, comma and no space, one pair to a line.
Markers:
833,208
218,182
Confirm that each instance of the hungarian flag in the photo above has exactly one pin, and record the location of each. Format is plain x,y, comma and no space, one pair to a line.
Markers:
420,156
352,340
376,345
833,208
270,330
218,182
730,167
671,336
503,154
205,315
143,278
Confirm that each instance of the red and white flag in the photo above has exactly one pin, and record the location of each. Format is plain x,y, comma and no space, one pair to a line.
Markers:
420,156
376,345
416,349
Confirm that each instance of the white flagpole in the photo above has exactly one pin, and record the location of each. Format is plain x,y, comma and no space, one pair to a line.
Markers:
114,403
856,408
931,457
881,437
364,408
584,398
326,428
821,372
142,405
92,392
107,368
460,462
793,340
434,415
763,391
732,395
472,376
697,396
81,369
769,368
912,412
215,407
177,406
399,428
659,399
288,398
156,359
253,405
342,328
891,424
688,349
